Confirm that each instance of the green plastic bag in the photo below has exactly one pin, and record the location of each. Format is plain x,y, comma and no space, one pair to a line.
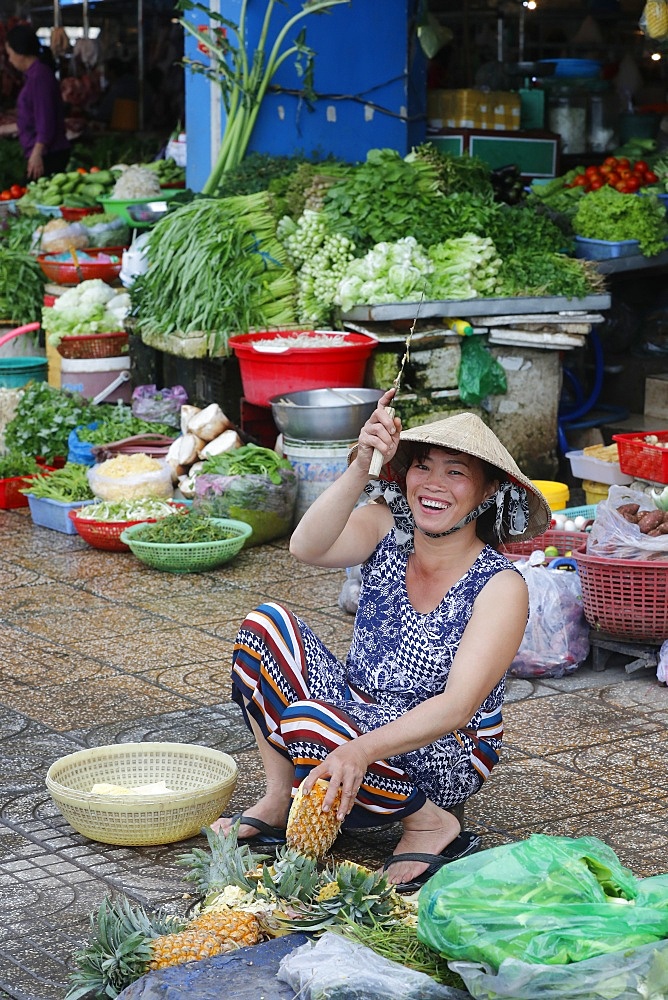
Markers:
480,374
547,900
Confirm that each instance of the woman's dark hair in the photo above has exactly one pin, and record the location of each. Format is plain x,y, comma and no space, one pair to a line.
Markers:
485,522
24,41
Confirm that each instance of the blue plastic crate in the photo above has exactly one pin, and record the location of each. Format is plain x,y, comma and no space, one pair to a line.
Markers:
588,511
586,249
53,514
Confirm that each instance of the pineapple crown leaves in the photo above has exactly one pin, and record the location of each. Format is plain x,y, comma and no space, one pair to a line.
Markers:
119,948
293,876
226,862
349,893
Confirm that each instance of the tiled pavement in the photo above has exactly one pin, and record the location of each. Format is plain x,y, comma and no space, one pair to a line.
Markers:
95,648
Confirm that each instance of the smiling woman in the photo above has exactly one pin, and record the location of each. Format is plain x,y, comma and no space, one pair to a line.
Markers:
410,724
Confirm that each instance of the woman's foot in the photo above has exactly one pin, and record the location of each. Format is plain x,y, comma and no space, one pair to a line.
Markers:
427,831
272,809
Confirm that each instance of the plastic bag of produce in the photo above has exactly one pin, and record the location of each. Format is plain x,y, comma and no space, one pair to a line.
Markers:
622,531
111,233
544,900
161,406
621,975
335,968
59,236
128,477
556,640
266,505
480,374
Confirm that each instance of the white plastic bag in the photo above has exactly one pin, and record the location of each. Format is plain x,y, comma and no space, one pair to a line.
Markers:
614,538
335,968
133,486
556,640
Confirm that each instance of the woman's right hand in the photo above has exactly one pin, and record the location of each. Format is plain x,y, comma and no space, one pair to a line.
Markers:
381,431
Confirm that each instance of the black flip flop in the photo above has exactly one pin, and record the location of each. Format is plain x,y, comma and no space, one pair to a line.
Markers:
466,843
268,836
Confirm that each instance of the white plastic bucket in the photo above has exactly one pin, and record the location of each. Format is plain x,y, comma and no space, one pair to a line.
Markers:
102,379
317,464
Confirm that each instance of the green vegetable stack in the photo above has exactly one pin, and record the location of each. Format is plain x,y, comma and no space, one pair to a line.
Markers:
73,189
67,485
608,215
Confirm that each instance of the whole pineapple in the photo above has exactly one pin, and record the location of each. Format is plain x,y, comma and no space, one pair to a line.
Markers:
210,934
292,876
310,831
227,862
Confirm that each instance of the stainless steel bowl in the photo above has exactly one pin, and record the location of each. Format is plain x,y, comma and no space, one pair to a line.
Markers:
324,414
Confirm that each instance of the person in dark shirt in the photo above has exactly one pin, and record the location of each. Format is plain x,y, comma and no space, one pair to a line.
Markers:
39,107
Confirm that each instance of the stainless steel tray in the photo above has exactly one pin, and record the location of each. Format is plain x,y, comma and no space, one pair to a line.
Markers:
465,308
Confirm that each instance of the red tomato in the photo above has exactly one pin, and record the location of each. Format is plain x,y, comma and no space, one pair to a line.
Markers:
625,172
605,169
94,170
610,161
592,172
596,183
621,187
579,181
651,177
81,170
5,196
613,178
640,167
623,163
632,184
16,190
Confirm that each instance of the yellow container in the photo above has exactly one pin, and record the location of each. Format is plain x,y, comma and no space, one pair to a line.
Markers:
595,492
556,494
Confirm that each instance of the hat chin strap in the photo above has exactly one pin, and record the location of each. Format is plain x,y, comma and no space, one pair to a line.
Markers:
518,510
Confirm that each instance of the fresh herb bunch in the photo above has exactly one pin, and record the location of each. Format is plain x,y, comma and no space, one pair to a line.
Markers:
121,424
515,226
455,173
387,198
44,418
250,459
67,485
184,530
548,274
15,463
469,212
258,172
399,942
21,285
607,214
17,231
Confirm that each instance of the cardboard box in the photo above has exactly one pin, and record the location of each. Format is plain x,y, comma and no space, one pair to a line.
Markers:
656,396
483,109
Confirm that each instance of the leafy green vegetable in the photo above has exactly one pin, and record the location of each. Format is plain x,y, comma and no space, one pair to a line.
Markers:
17,464
21,285
464,268
389,272
121,424
44,418
548,274
250,459
67,485
321,259
184,530
92,306
129,510
607,214
385,199
519,228
455,173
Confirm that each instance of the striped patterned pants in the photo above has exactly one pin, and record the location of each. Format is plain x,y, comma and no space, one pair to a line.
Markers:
295,689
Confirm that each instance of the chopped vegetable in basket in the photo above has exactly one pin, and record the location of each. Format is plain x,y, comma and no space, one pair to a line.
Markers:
185,530
129,510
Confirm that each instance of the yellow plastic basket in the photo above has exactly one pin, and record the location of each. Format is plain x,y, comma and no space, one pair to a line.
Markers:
203,780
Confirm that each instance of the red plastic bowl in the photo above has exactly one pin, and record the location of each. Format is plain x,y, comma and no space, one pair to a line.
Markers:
267,373
63,273
75,214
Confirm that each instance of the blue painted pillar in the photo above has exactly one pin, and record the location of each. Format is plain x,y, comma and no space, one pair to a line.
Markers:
369,73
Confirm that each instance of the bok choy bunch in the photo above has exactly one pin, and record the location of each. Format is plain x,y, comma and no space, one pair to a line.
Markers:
464,267
389,272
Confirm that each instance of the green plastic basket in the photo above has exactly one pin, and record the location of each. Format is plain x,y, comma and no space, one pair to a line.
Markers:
188,557
139,213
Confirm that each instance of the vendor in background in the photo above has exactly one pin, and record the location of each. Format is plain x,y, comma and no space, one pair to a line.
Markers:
409,726
39,106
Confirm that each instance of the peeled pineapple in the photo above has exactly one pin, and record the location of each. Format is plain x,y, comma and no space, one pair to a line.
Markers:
210,934
310,831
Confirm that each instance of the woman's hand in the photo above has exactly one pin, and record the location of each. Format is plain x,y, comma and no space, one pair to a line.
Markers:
35,168
345,767
381,431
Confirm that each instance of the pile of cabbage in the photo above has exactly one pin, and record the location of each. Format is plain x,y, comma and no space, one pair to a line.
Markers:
89,307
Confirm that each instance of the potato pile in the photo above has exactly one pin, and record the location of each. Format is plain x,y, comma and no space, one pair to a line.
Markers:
650,522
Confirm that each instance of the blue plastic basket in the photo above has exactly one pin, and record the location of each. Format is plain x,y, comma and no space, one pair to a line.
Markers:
53,514
588,511
15,372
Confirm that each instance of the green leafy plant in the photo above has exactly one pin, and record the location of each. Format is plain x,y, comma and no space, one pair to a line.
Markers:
608,215
44,418
244,74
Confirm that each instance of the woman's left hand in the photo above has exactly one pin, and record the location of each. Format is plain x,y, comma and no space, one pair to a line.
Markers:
345,767
35,168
